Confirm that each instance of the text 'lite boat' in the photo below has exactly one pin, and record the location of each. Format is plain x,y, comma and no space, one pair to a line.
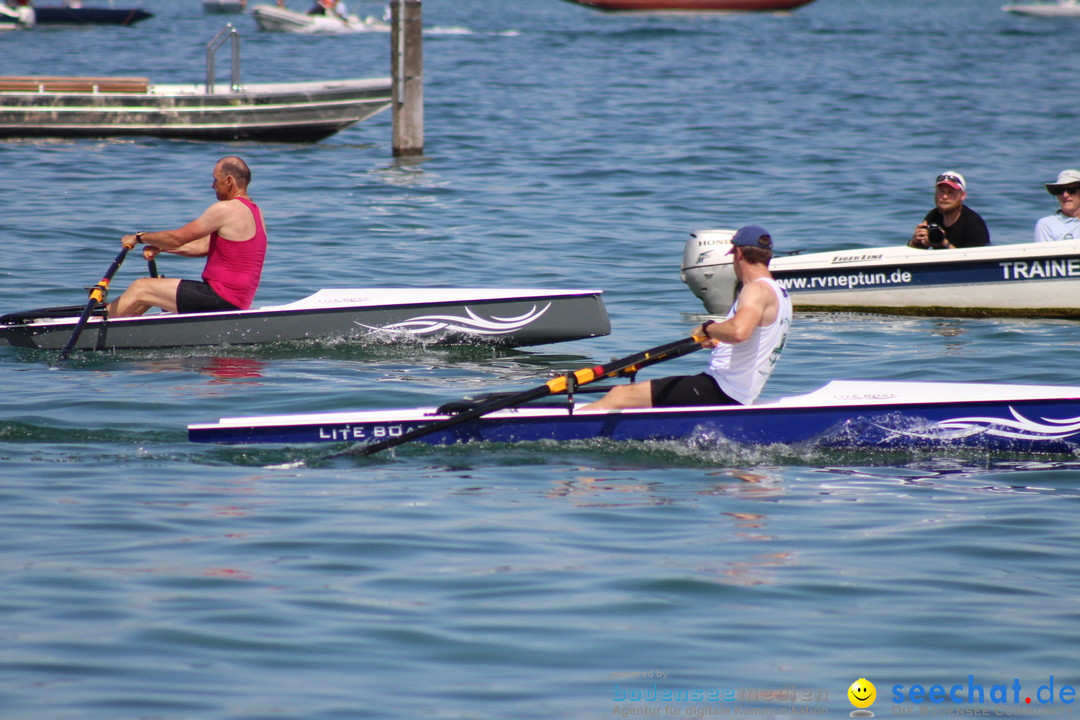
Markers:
1022,280
508,317
843,414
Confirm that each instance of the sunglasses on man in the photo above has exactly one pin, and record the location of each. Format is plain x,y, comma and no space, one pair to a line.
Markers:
1071,189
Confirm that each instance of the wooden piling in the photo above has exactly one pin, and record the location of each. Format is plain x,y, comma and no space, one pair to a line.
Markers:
407,71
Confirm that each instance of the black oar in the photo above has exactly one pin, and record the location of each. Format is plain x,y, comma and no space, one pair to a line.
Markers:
97,294
555,386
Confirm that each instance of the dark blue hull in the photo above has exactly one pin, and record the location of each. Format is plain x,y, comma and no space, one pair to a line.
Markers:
58,15
1023,424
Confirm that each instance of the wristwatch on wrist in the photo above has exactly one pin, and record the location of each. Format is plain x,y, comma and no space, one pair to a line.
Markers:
138,237
705,327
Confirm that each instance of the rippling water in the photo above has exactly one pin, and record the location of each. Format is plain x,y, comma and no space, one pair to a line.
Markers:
143,577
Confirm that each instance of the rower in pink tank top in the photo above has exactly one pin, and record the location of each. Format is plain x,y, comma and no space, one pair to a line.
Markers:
234,267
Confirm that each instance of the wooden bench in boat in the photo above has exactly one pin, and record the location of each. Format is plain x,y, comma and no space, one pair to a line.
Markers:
35,84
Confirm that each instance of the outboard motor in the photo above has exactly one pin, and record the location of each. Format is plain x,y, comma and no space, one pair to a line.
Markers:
707,269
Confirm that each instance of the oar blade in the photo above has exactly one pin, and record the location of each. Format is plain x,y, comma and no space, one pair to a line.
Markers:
97,294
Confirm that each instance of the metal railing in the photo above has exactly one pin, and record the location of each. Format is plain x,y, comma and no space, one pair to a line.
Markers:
228,32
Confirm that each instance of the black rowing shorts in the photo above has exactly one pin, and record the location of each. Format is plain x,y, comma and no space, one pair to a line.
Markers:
686,390
194,296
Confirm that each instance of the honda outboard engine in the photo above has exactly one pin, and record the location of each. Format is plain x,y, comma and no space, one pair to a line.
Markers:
707,269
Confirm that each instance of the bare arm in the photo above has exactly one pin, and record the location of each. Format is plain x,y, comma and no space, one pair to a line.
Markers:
193,239
757,306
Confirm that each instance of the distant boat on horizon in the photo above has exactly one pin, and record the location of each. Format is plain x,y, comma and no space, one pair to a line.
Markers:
224,7
74,13
1055,8
692,6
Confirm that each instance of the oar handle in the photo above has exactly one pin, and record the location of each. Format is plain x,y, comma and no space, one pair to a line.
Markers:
554,386
151,253
629,364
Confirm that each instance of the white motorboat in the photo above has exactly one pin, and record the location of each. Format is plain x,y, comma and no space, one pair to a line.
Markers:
1024,280
276,19
1060,8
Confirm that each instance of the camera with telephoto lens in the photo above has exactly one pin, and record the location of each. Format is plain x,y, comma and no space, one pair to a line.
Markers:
935,236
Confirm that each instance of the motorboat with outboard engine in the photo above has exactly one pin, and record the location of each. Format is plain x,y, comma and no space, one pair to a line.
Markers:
1022,280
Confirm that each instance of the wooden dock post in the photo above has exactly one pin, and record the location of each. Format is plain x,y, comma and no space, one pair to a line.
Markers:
407,70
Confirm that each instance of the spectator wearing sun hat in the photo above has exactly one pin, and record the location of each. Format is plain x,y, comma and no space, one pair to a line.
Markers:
960,226
1065,223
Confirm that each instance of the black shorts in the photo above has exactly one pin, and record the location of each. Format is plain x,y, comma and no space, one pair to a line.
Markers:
684,390
194,296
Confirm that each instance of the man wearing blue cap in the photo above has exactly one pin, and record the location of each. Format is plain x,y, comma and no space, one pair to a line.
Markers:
745,345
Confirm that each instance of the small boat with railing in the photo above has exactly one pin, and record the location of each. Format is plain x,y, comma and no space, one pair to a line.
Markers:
80,107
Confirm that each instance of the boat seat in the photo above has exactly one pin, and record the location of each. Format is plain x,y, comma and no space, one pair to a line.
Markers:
75,84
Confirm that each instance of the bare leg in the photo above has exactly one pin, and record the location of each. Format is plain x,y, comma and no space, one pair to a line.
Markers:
634,395
146,293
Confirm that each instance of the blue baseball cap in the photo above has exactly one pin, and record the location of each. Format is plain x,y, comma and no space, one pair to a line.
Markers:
751,236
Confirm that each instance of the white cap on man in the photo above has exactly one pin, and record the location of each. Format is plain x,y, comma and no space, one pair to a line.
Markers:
953,179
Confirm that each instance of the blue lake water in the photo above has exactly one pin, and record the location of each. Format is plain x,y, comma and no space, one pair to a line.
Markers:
145,577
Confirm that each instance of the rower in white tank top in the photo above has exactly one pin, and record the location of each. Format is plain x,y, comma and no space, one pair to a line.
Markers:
741,370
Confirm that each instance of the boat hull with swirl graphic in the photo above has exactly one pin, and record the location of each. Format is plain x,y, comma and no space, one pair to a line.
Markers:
1035,419
443,316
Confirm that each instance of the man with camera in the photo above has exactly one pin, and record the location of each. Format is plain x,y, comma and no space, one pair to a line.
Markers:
951,224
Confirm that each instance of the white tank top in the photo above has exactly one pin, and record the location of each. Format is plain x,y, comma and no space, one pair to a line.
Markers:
741,370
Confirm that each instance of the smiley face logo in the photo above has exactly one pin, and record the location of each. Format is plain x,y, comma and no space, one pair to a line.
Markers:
862,693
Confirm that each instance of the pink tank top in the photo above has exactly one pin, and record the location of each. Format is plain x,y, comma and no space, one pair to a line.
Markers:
233,268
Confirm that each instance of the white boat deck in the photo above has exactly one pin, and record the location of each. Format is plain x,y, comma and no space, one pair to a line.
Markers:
838,393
